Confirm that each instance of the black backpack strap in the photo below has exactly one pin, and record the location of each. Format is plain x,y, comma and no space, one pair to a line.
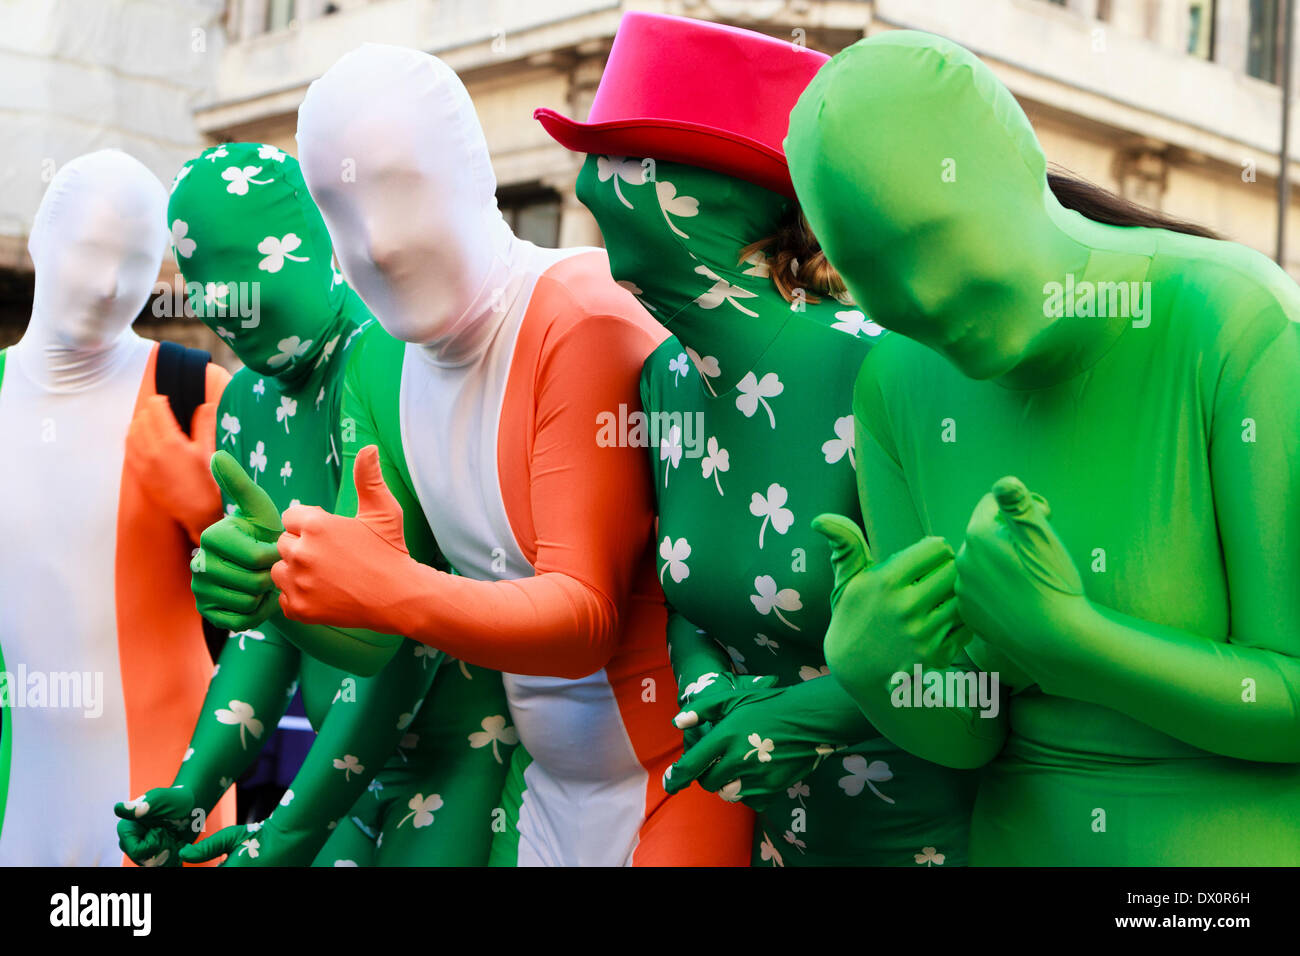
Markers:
181,374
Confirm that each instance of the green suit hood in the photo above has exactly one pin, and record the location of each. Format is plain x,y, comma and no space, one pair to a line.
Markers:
924,181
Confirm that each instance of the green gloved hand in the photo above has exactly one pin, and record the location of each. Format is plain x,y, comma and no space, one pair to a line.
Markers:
761,742
887,616
153,828
714,688
255,844
1016,583
231,572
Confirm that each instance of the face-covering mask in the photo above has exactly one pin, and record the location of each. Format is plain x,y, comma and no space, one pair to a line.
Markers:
674,233
256,257
394,156
927,187
97,242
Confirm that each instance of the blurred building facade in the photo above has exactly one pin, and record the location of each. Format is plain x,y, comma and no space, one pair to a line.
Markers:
1173,103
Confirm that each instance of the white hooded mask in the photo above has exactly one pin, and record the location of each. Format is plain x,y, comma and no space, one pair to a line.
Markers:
394,156
97,242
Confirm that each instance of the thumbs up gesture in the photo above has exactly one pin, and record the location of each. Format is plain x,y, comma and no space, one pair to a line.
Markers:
1017,586
342,571
231,572
888,615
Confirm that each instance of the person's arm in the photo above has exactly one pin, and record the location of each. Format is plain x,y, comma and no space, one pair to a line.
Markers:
591,509
173,467
1239,698
877,632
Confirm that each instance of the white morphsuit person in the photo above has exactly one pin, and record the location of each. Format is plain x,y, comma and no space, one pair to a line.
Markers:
488,405
100,646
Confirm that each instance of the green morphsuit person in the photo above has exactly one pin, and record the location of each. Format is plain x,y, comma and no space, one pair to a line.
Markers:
1104,421
752,438
394,775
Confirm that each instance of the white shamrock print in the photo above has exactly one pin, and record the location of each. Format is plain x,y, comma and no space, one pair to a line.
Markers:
835,448
737,659
929,856
257,459
349,764
671,204
670,450
249,846
241,715
375,786
320,397
697,685
715,461
771,508
238,178
288,350
180,174
494,732
225,333
758,264
631,171
808,672
769,852
853,322
425,652
183,245
722,291
189,752
767,599
326,352
707,366
678,367
158,859
762,640
674,554
287,798
755,391
731,792
798,791
259,388
288,408
762,746
266,151
140,806
422,808
286,472
795,841
865,774
250,635
215,154
229,425
277,250
214,297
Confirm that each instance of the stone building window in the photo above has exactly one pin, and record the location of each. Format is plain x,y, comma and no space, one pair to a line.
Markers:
1200,28
533,212
1264,40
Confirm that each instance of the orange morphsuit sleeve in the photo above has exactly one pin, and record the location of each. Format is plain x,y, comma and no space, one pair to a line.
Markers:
173,467
581,514
591,515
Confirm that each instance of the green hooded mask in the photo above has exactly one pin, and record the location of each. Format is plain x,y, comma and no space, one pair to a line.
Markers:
927,188
682,261
257,258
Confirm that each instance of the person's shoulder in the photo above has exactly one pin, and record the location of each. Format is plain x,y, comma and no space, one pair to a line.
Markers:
576,288
1222,290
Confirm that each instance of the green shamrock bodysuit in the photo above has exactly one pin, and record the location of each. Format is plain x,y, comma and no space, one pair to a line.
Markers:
751,436
1104,422
401,772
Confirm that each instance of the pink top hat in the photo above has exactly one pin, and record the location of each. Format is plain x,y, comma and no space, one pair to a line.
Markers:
694,92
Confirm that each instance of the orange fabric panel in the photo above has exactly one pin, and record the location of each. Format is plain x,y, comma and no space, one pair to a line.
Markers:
582,513
165,663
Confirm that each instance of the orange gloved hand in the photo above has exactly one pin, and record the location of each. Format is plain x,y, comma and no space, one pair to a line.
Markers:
173,467
346,571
